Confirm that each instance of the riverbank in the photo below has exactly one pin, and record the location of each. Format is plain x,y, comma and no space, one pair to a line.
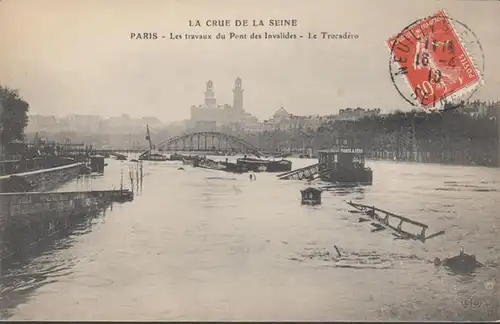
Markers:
446,158
26,217
41,180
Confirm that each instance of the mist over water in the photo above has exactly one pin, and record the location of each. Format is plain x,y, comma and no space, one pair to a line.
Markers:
208,245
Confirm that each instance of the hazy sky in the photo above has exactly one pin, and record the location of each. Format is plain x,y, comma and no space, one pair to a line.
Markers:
77,56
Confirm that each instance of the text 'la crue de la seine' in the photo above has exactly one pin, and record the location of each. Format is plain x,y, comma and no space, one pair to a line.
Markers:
203,34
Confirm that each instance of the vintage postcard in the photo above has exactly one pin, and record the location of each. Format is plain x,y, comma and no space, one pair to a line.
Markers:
250,160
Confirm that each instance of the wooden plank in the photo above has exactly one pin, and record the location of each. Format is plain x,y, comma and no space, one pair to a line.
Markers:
297,171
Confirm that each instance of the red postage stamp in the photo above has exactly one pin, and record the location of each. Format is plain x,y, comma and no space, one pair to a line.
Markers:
432,59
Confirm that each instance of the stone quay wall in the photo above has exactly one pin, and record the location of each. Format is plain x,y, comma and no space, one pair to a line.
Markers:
37,214
48,179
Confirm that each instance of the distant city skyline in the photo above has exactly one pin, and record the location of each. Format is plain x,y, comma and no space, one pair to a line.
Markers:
78,58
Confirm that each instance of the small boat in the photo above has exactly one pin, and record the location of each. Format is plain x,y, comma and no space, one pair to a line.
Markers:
311,196
134,160
212,166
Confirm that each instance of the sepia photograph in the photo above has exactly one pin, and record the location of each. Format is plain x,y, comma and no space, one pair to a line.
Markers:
250,160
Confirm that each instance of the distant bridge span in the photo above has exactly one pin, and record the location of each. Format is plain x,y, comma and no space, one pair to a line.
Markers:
208,141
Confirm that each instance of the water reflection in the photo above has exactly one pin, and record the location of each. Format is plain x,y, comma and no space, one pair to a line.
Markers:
346,190
33,260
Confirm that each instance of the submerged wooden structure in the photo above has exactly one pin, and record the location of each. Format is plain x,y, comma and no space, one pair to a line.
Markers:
308,172
383,217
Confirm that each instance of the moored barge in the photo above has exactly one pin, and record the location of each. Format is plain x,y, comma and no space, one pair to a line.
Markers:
259,165
344,165
153,157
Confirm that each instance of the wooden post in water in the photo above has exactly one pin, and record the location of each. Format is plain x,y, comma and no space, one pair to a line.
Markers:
141,174
137,176
121,181
422,234
131,176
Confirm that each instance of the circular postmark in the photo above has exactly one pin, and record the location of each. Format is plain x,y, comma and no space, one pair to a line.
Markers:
436,63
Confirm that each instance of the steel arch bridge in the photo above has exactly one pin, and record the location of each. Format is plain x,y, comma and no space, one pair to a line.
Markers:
207,142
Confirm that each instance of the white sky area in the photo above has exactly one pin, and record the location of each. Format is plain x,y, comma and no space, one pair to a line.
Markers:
77,57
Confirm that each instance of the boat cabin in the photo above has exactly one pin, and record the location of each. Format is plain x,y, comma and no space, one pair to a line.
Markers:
342,157
311,196
97,163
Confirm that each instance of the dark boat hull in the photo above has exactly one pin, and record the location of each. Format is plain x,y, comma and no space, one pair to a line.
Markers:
234,167
153,159
256,165
181,157
349,176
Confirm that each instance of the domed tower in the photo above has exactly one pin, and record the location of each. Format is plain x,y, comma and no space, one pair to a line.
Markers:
237,95
210,100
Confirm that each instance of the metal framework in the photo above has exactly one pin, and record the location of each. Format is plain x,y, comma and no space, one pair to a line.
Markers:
208,141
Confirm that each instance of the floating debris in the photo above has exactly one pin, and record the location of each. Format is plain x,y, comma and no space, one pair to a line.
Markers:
361,260
462,263
382,222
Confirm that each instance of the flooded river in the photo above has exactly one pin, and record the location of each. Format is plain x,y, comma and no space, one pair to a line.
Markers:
207,245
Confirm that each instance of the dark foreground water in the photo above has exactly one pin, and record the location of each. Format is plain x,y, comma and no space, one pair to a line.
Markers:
207,245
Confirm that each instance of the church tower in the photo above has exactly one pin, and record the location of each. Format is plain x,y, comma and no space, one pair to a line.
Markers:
237,95
210,100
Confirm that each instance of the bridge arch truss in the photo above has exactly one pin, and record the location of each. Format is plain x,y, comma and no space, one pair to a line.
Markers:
208,142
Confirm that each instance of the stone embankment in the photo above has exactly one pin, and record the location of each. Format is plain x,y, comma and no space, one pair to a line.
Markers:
33,215
41,180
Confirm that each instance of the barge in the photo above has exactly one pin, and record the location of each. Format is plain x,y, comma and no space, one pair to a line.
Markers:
234,167
345,166
152,157
259,165
220,166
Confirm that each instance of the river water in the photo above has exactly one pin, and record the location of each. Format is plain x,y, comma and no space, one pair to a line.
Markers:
207,245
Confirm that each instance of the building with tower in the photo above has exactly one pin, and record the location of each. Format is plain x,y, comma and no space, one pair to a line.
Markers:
210,115
210,100
238,95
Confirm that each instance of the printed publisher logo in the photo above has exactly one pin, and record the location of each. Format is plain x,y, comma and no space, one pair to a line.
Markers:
471,303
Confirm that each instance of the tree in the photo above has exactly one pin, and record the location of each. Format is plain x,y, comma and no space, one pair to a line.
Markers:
13,115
